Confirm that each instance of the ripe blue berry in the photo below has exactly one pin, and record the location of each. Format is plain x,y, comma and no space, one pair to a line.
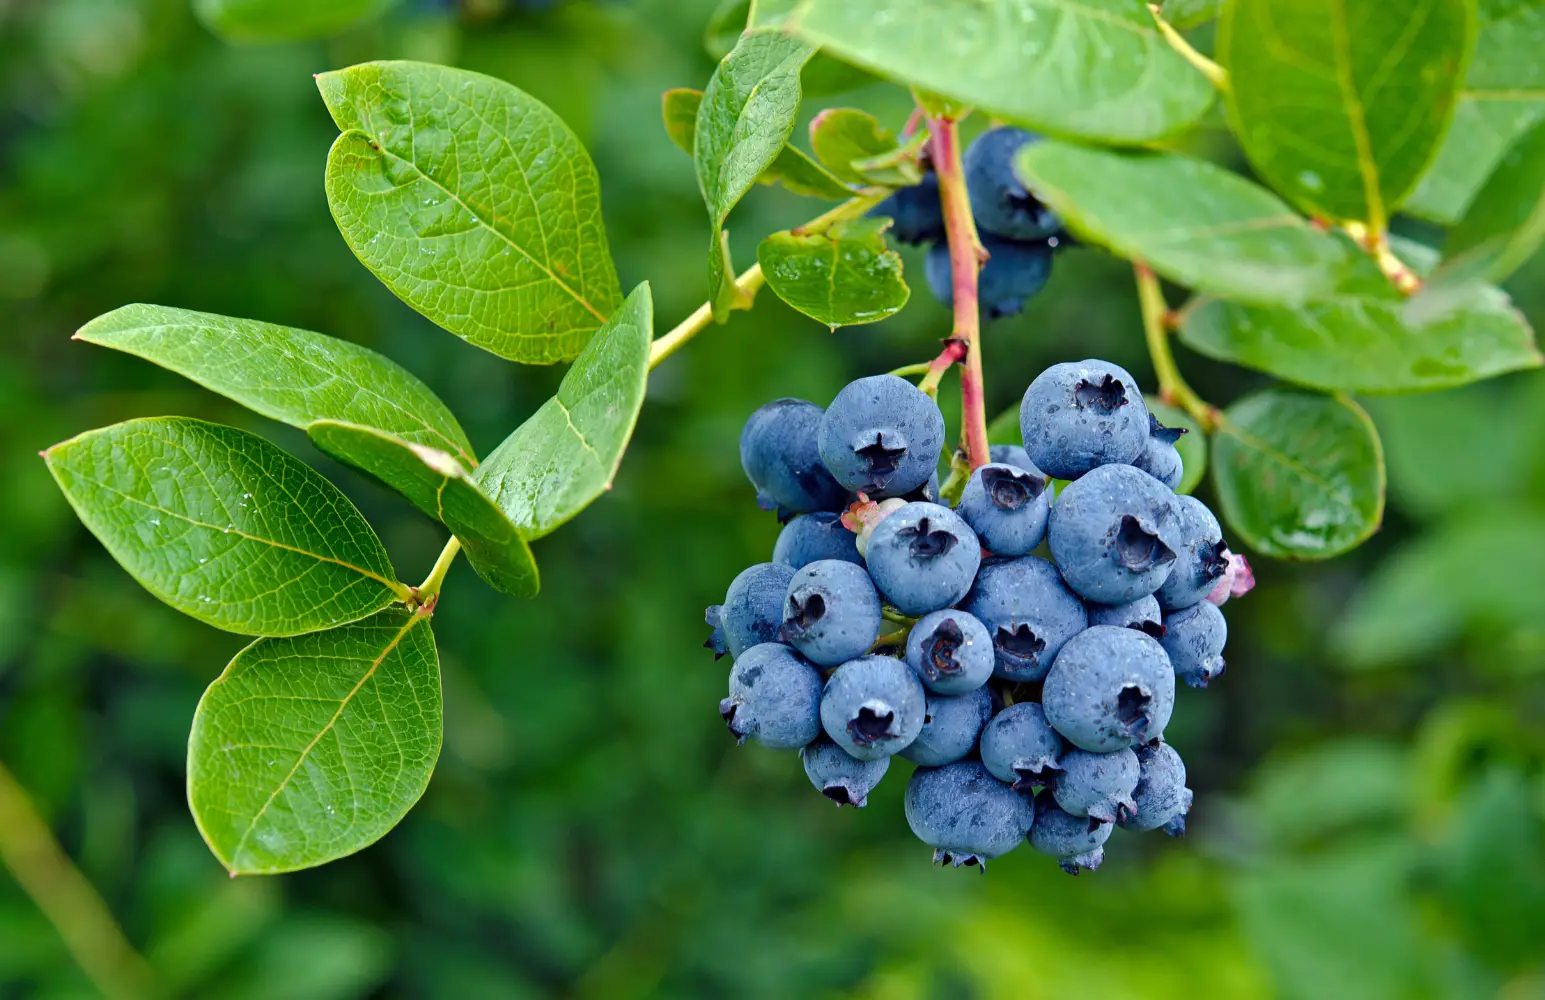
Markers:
1014,273
1077,842
775,697
882,436
873,706
1194,638
1162,798
916,213
813,537
1015,455
1201,558
1028,611
752,611
999,200
1142,614
1019,746
1080,415
839,775
1097,785
965,814
951,724
1110,688
1159,457
1115,533
1006,507
831,612
779,453
951,651
923,557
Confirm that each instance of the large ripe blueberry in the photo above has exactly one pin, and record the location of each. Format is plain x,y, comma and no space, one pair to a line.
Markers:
951,651
780,455
1194,638
839,775
1098,785
831,612
1159,457
923,557
951,724
1014,273
916,214
1029,612
1006,507
1161,798
1019,746
965,814
1001,203
882,436
1201,558
1115,534
1110,688
752,611
873,706
812,537
775,697
1082,414
1077,842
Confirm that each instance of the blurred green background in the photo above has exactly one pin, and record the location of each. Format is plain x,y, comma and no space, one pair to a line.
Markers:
1370,775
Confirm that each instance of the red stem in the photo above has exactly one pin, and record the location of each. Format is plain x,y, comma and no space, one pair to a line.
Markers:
966,259
954,350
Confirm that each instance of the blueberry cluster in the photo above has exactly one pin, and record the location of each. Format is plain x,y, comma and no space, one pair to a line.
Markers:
1031,693
1017,231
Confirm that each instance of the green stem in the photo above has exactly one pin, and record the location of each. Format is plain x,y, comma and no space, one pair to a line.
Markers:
1172,387
427,593
1216,74
907,371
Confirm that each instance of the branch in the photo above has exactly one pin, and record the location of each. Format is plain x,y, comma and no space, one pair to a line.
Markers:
1172,387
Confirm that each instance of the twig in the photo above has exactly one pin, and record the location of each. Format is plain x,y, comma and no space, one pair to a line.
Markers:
1172,387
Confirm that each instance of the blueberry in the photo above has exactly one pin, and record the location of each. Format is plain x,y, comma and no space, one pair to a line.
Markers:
1080,415
779,453
1162,798
1194,639
951,724
1110,688
1077,842
831,612
1159,457
775,697
813,537
951,651
1014,273
752,611
840,776
965,814
1015,455
1097,785
1019,746
1201,558
1115,533
916,213
882,436
873,706
1006,507
716,640
999,200
1028,611
923,557
1142,614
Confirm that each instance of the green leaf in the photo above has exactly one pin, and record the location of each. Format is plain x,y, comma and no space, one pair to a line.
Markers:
1340,104
1505,223
1503,96
284,20
1187,14
1004,428
1366,339
224,526
838,136
1192,444
441,487
724,28
1299,475
678,107
293,376
770,13
793,168
568,453
308,749
1212,231
743,124
1096,69
474,203
841,277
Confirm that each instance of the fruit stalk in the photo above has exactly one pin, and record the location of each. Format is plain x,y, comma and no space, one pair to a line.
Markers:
966,258
427,593
954,351
1172,387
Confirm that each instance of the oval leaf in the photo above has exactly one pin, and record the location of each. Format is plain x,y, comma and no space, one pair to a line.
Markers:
224,526
310,748
284,20
1505,223
439,486
838,136
1096,69
1188,14
795,170
474,203
568,452
1340,104
1299,475
1212,231
1192,444
841,277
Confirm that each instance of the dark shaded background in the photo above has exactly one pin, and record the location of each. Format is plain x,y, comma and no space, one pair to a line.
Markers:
1369,776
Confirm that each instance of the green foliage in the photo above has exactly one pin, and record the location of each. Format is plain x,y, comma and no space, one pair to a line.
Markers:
843,138
1505,223
793,168
308,748
284,20
1187,14
840,276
